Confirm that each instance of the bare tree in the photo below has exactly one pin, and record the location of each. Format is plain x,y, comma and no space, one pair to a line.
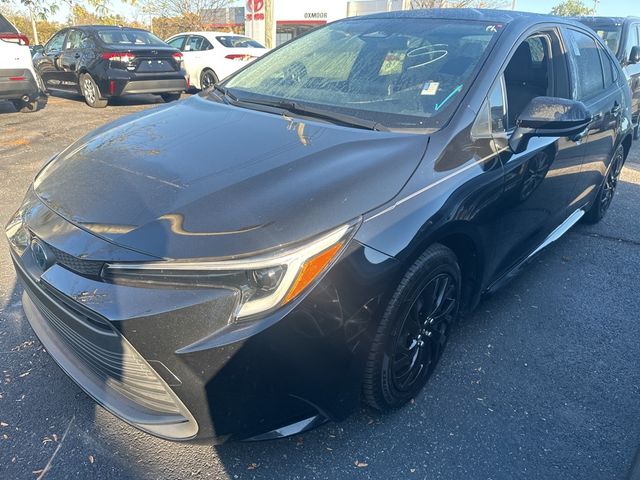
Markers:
193,14
457,3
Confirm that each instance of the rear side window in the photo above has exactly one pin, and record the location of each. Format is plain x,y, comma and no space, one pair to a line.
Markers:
609,68
197,44
587,66
237,41
129,37
6,27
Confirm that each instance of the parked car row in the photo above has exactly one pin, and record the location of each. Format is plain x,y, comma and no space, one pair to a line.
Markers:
101,62
400,166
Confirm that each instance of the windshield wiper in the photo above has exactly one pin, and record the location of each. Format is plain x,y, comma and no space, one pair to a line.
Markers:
226,94
300,109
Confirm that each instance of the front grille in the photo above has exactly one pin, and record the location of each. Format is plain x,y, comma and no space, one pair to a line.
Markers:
90,268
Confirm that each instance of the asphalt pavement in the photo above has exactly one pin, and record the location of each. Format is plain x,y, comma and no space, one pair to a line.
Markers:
541,382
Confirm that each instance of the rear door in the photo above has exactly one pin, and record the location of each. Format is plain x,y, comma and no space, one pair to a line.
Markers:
595,83
195,55
633,69
69,58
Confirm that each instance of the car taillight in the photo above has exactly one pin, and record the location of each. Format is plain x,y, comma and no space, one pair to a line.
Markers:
124,57
239,56
179,58
18,38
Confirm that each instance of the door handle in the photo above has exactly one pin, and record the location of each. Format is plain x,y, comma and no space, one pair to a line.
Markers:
617,108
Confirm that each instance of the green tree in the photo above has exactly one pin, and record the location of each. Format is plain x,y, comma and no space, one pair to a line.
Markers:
571,8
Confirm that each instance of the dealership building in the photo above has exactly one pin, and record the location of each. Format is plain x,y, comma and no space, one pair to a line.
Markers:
292,18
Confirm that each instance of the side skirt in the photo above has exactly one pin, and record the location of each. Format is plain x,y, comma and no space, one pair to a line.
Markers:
559,231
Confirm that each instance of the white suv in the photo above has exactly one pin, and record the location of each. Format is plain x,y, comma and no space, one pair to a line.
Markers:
18,80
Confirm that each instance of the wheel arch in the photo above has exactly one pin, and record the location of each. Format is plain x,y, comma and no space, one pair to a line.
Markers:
204,69
464,240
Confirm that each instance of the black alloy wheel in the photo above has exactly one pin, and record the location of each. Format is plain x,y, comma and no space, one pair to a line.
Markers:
207,79
608,189
414,330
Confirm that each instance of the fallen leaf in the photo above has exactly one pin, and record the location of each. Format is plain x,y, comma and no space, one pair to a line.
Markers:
55,437
91,459
252,466
38,472
330,449
413,470
360,464
5,436
22,375
3,424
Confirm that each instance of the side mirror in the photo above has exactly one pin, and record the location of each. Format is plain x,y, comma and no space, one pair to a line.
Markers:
634,56
36,49
549,117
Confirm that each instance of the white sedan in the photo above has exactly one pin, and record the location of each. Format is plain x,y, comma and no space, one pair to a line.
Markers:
212,56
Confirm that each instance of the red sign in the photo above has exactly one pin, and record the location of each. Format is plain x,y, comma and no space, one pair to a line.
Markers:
254,6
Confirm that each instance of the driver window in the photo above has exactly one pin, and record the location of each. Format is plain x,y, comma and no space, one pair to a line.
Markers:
74,40
527,75
537,68
55,44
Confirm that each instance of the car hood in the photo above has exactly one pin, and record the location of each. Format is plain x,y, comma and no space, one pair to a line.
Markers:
200,179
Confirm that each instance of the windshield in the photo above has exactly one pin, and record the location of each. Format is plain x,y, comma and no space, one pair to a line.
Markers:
402,73
236,41
129,37
610,33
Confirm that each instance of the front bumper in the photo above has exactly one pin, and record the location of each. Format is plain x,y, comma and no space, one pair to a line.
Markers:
167,361
15,83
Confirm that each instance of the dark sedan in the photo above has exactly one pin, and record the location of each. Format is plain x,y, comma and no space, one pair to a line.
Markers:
622,36
102,62
255,260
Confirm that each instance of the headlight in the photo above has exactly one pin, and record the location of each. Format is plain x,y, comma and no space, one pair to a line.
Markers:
264,282
19,237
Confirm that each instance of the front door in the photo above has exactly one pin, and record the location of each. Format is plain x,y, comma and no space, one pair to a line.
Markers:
540,183
48,62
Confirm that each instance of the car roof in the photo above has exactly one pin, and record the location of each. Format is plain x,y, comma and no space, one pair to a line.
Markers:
209,33
476,14
107,27
616,20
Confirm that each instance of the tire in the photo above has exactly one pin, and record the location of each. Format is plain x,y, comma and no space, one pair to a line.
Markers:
170,97
208,79
26,107
607,190
410,339
91,92
636,131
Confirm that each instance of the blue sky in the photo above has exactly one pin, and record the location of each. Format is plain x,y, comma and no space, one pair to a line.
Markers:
620,8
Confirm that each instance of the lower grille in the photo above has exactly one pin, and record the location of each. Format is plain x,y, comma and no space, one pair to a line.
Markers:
106,366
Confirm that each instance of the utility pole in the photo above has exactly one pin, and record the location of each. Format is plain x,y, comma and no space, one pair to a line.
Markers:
34,27
406,5
513,4
595,6
268,24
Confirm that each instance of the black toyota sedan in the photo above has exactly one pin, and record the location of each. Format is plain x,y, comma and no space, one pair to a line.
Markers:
622,36
259,258
102,61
